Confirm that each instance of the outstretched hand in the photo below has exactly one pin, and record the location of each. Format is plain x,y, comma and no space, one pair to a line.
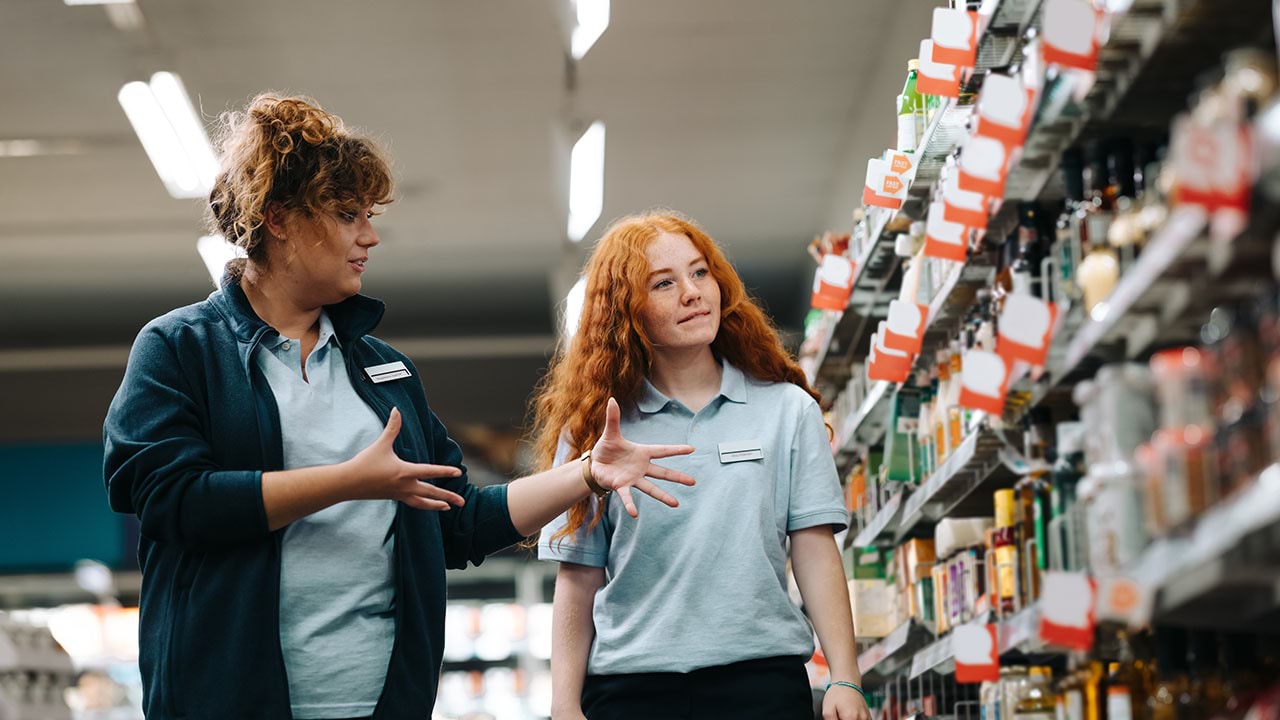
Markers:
384,476
619,465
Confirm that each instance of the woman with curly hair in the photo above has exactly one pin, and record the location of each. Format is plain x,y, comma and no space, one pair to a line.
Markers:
299,500
686,614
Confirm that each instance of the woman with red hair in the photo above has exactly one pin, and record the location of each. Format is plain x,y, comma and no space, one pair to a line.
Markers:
686,614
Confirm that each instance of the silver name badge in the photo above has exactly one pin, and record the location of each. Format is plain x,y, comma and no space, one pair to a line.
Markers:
389,371
740,451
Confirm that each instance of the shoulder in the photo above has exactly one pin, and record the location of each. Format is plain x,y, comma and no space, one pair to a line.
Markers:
191,325
783,395
382,349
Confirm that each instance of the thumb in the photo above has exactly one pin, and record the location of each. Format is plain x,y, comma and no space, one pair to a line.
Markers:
392,429
612,419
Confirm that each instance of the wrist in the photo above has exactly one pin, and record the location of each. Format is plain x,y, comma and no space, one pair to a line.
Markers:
344,482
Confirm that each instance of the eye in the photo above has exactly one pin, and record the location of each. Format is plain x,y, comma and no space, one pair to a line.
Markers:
661,284
701,273
347,216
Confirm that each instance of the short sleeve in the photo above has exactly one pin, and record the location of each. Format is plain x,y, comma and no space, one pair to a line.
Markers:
816,497
586,546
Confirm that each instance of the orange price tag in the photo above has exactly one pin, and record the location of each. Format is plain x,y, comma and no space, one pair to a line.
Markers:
1067,610
833,283
977,654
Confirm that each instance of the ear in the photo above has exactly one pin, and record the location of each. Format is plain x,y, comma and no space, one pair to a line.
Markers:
275,218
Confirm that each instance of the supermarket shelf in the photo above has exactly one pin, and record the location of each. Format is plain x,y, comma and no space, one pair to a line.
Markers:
880,525
893,654
963,472
1224,574
869,422
874,267
1162,253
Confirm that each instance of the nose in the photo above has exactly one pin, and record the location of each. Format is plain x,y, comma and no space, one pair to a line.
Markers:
689,291
369,238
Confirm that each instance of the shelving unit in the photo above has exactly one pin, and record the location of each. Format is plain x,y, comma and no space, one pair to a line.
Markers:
1223,573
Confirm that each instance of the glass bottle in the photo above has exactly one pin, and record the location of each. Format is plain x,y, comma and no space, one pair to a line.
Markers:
1036,700
1033,493
1208,687
1170,696
1067,240
1093,685
1127,684
955,431
1005,543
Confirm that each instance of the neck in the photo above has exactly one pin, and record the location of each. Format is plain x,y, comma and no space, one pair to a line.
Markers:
691,376
276,305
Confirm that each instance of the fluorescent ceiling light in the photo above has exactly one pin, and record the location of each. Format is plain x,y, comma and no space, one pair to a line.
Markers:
573,308
216,253
171,133
97,2
586,181
27,147
592,19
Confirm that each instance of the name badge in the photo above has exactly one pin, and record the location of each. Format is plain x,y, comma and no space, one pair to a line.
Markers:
740,451
389,371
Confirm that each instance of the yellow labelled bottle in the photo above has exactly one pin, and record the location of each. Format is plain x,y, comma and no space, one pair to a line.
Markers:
954,425
1036,701
1005,542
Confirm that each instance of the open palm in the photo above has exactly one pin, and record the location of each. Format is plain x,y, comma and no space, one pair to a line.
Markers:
618,464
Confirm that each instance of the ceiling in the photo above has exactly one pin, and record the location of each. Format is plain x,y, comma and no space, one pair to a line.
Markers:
753,116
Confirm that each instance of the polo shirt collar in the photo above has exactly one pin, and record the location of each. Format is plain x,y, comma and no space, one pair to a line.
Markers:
273,340
733,387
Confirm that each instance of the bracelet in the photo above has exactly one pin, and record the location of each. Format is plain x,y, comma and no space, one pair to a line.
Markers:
592,485
846,683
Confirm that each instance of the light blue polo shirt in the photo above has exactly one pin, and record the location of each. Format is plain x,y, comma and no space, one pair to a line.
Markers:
337,597
705,584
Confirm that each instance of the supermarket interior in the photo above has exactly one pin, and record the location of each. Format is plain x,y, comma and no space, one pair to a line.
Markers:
1026,251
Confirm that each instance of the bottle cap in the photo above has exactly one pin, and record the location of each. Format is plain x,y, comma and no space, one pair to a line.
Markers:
1004,508
913,65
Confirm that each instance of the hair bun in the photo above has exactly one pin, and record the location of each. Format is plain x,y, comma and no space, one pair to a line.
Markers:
288,121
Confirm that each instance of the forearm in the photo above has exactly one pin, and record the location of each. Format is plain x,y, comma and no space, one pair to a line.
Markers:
536,500
290,495
572,630
815,560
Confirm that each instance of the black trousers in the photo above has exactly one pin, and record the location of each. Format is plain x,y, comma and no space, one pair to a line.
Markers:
768,689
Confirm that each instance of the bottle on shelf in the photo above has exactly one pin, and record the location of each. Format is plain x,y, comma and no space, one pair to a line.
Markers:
1128,683
1005,544
1099,271
1033,492
910,111
1067,240
1171,693
1036,701
1208,686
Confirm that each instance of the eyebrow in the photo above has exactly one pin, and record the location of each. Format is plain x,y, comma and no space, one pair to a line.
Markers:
659,271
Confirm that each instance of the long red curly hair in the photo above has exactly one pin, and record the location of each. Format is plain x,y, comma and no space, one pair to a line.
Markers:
610,354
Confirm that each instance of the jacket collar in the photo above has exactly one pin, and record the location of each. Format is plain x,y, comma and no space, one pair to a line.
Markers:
352,318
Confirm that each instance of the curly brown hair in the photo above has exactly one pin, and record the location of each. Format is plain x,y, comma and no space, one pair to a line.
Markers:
287,149
610,355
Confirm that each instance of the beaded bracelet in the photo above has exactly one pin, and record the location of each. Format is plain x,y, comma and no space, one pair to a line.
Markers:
845,683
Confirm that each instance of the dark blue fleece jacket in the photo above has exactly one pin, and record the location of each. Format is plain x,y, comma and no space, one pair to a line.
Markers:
187,438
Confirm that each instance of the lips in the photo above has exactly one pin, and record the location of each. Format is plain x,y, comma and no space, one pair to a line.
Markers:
694,316
358,264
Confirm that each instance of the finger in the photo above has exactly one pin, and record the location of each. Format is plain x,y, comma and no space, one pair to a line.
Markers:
661,451
427,490
422,503
628,502
423,470
658,472
612,419
652,491
392,429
